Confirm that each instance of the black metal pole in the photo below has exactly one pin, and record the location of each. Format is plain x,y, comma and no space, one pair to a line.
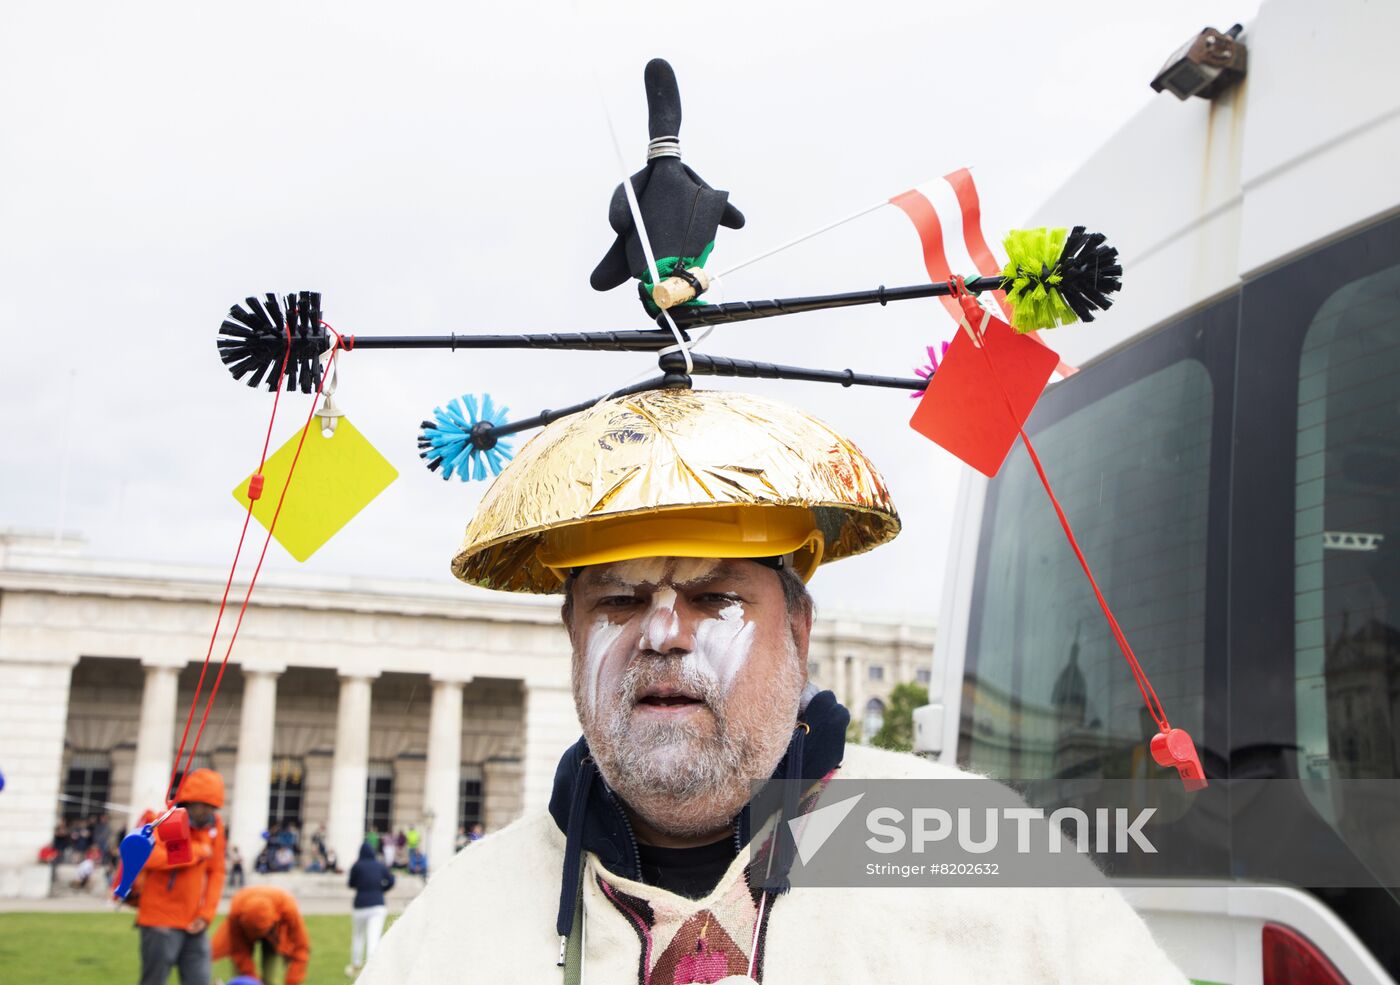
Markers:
547,416
642,341
706,365
714,314
674,376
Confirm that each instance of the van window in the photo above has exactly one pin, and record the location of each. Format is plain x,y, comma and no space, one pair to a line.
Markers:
1128,448
1347,546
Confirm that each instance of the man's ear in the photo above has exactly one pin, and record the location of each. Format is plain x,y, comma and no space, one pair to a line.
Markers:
566,616
801,624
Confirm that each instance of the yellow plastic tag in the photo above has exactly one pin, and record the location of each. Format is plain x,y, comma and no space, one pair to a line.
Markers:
336,477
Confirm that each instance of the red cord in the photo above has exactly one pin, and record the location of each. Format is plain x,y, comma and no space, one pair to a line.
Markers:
243,609
247,595
1149,693
223,602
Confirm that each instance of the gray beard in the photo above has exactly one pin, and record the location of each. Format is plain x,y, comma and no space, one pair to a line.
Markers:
680,778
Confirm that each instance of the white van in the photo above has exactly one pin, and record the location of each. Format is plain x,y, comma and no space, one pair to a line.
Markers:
1229,457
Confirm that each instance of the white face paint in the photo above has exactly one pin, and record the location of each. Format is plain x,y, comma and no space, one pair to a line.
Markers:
661,622
670,623
601,639
720,645
642,570
684,570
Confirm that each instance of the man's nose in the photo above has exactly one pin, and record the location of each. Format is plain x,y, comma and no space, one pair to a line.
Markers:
668,628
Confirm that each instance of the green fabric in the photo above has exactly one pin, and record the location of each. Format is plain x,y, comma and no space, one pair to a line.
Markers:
1031,276
666,265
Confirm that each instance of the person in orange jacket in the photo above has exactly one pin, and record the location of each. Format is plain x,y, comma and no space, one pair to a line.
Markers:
178,901
266,915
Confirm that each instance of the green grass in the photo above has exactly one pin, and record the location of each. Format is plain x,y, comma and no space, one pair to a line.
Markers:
102,949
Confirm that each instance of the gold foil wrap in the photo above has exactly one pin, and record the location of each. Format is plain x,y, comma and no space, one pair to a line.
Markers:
669,449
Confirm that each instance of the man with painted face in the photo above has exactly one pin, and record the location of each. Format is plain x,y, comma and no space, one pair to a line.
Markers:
681,528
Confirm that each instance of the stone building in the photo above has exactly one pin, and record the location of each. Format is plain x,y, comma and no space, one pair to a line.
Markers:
862,660
348,702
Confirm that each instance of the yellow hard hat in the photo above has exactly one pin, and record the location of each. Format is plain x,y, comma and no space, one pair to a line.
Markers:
722,531
675,473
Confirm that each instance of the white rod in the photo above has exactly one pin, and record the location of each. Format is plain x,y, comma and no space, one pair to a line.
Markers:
635,208
803,238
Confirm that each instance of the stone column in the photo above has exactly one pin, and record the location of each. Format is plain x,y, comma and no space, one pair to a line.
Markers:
345,828
252,773
155,737
33,725
551,726
503,781
441,785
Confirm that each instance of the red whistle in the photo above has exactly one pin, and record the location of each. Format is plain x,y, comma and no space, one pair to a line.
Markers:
174,834
255,487
1175,748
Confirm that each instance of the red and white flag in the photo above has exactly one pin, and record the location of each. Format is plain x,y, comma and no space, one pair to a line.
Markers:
951,203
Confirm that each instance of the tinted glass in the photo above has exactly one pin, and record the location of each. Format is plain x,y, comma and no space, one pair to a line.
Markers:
1052,694
1347,551
1314,583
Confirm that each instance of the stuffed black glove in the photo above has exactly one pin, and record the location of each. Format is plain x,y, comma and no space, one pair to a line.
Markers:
681,212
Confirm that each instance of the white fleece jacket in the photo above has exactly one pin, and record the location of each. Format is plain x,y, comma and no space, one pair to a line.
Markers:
488,917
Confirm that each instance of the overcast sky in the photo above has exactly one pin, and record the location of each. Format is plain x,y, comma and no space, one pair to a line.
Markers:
447,167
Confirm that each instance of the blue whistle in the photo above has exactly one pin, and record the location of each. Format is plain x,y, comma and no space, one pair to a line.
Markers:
135,849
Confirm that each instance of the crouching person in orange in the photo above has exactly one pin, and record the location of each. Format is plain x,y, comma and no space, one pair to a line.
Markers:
267,916
177,901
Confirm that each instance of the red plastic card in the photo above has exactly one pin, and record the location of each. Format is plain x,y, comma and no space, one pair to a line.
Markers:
963,409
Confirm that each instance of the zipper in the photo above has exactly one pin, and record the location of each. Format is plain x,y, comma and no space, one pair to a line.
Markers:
631,835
